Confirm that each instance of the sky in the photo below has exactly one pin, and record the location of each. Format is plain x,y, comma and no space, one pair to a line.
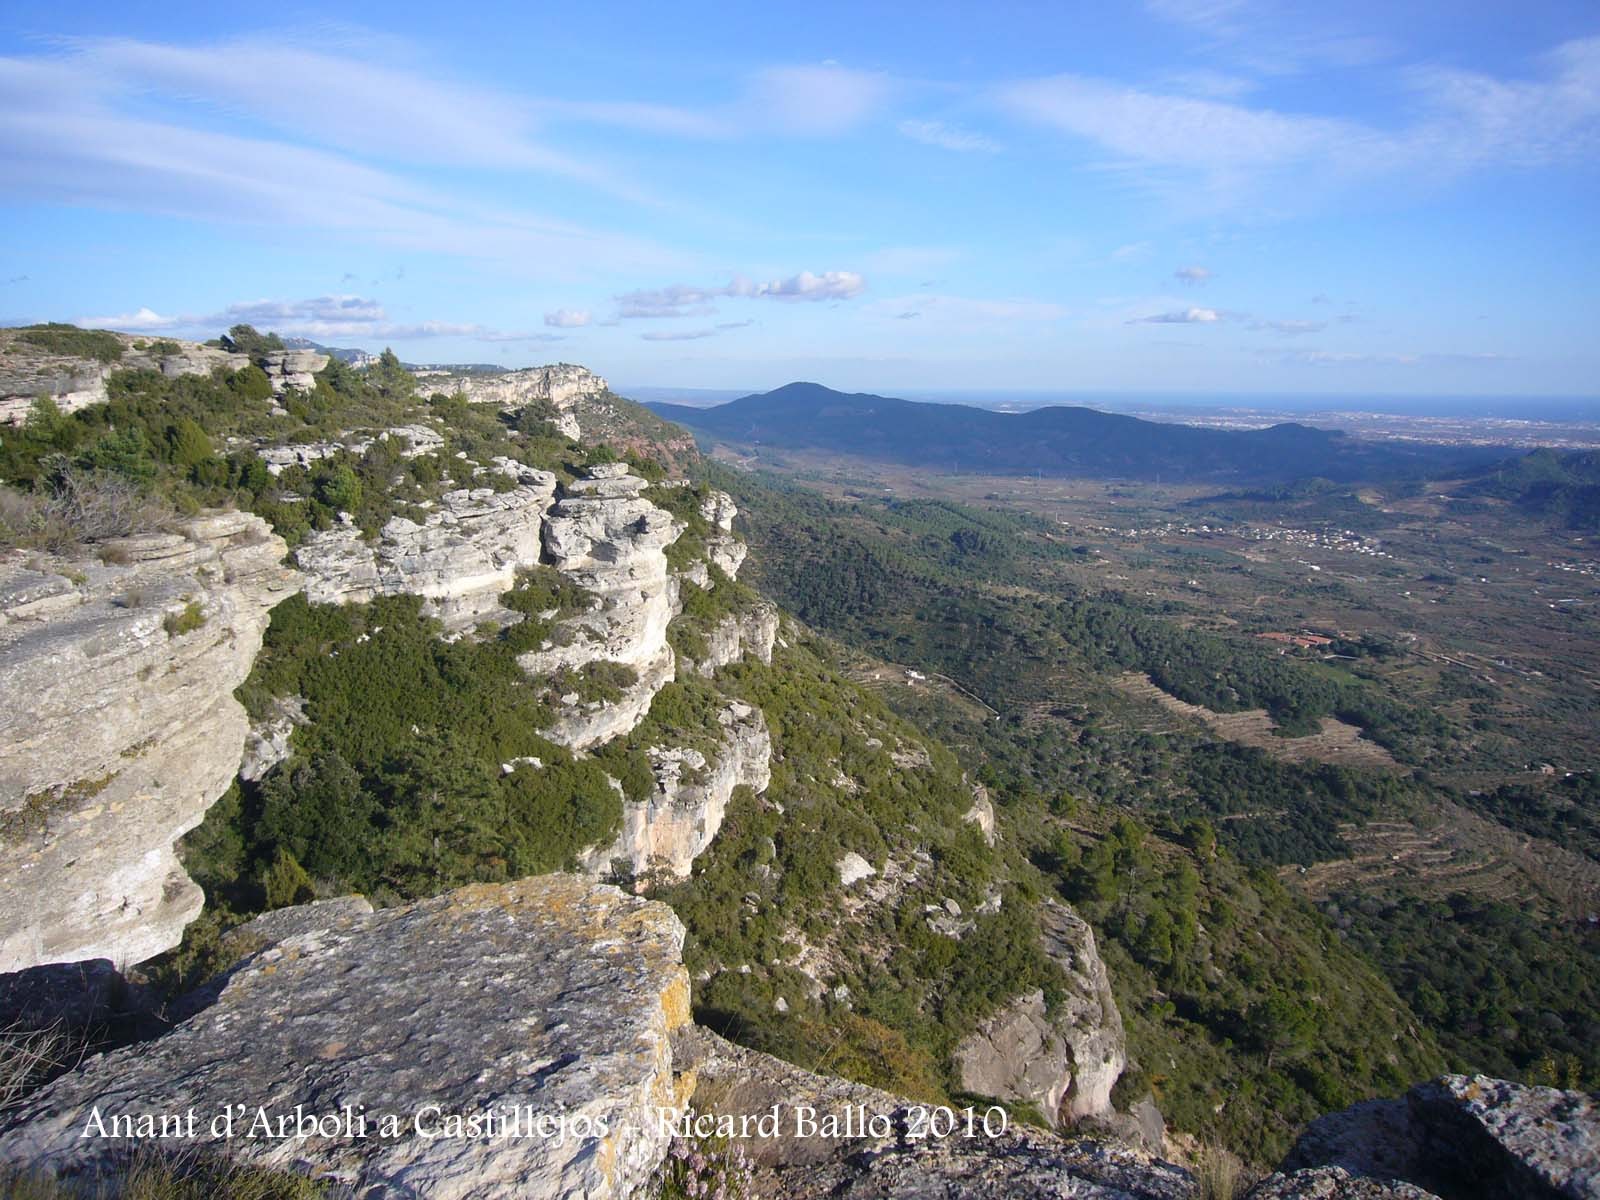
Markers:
1174,195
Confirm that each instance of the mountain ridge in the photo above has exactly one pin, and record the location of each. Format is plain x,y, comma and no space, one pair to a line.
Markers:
1057,440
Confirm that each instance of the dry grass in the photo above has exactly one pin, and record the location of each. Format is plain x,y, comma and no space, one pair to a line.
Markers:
29,1056
166,1175
1218,1174
80,506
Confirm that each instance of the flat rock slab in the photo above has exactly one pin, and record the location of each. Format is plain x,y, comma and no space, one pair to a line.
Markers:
542,1008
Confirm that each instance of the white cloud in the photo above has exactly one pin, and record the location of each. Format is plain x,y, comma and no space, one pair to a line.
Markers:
143,320
567,318
348,318
683,300
948,137
1192,274
816,100
1347,358
1187,316
678,335
1463,121
135,127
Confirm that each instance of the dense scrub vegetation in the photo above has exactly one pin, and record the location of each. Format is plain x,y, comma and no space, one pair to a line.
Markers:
192,441
398,784
908,992
1509,992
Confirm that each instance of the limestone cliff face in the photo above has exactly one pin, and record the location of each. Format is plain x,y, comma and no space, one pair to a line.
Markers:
752,633
553,998
461,558
605,536
561,385
663,835
118,729
27,371
1064,1062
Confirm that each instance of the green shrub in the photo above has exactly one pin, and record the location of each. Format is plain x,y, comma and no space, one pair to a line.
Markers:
179,623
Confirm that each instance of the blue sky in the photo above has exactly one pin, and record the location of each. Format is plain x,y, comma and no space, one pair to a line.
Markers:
1179,195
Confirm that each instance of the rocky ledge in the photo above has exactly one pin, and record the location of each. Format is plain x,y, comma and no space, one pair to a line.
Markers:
1064,1063
461,558
561,386
118,729
609,539
664,834
542,1008
1459,1138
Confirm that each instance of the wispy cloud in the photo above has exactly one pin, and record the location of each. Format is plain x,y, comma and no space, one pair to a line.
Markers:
1350,358
678,335
1187,316
683,300
948,137
321,317
1192,274
1461,121
135,126
567,318
1289,327
819,100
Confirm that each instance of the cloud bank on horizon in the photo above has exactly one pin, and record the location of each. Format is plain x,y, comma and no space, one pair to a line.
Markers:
716,198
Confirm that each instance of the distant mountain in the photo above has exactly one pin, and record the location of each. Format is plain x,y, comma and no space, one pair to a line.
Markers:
1055,441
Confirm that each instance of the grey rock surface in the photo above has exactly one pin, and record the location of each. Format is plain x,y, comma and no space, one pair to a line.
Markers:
118,729
663,835
1017,1164
1065,1062
461,558
1466,1138
561,385
552,996
1334,1183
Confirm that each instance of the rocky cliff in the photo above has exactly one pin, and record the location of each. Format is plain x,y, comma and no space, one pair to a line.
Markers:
29,370
1063,1061
606,537
561,386
663,835
461,557
541,1011
118,729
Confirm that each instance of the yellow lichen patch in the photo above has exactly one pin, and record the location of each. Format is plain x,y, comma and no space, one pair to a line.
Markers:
675,1000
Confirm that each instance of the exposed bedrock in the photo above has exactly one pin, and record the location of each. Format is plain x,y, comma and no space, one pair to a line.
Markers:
460,559
550,998
665,833
118,729
1064,1062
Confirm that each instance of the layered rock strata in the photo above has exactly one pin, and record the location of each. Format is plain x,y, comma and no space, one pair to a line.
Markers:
605,536
665,833
546,1004
118,729
1063,1062
561,385
460,559
27,372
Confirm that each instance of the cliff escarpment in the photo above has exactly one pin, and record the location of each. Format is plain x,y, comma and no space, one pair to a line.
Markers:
119,729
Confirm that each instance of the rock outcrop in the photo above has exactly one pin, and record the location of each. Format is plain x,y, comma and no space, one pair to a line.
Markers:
900,1158
1063,1062
28,371
292,368
542,1009
561,386
118,729
461,558
605,536
1462,1138
664,834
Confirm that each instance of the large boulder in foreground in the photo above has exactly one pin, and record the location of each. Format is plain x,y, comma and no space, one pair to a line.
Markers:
552,998
1463,1138
119,728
